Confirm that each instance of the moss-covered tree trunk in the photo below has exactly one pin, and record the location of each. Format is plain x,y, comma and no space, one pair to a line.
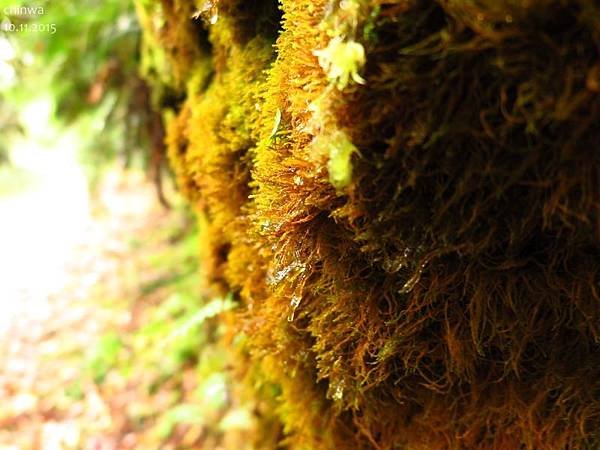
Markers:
404,197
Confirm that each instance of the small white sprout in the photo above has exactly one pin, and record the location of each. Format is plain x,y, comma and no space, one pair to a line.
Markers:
342,60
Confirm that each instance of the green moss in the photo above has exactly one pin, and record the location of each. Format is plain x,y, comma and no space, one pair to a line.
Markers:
339,165
342,60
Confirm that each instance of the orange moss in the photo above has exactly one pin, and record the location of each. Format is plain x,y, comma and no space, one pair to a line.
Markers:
404,197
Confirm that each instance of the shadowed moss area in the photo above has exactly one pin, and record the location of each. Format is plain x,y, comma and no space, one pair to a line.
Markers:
403,197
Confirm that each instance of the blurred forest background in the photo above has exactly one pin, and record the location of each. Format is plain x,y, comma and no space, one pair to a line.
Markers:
106,339
385,235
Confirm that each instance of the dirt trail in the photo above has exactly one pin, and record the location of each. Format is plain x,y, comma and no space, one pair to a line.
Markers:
55,255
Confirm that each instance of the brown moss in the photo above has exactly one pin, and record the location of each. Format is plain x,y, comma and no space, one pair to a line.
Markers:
440,289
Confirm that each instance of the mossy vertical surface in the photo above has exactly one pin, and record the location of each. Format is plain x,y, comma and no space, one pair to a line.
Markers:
403,197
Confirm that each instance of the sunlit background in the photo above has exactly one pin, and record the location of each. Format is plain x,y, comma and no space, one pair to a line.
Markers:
106,341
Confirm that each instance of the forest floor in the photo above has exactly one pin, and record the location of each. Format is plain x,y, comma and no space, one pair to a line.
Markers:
89,290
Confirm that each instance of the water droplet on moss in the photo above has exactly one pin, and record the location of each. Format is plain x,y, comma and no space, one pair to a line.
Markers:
275,278
393,264
415,278
411,283
338,392
265,225
294,303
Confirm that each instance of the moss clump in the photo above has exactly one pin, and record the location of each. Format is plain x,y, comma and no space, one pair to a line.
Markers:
404,198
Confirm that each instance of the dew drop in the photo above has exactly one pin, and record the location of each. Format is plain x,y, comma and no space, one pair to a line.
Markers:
295,267
393,265
412,281
275,278
294,303
338,392
265,225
